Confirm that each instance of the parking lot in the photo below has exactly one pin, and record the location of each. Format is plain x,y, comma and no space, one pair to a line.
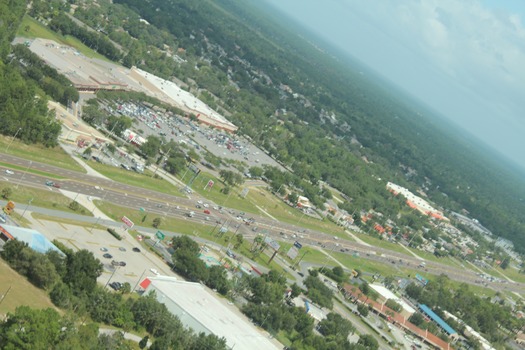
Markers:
138,264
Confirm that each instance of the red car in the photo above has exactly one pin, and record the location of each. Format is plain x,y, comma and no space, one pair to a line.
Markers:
206,211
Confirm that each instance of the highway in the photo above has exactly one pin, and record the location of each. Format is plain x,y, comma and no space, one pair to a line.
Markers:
168,205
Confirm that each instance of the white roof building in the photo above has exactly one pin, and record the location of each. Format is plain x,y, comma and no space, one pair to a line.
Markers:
201,310
386,294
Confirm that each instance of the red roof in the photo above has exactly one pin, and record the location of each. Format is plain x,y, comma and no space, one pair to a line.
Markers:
145,284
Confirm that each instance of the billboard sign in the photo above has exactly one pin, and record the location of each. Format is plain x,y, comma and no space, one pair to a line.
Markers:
127,222
292,252
160,235
272,243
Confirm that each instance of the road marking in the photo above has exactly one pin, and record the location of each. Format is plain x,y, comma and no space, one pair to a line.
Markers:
94,243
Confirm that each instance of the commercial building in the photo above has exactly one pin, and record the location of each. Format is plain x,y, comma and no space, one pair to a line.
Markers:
34,239
416,202
199,309
385,294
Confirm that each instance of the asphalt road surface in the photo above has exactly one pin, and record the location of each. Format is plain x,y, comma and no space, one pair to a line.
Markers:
173,206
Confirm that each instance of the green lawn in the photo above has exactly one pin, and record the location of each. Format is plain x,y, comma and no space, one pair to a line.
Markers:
41,198
55,156
135,179
21,292
231,200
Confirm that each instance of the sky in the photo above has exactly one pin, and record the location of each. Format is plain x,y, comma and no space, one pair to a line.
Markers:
465,58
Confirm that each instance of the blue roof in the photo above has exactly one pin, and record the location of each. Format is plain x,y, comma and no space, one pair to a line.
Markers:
428,311
34,239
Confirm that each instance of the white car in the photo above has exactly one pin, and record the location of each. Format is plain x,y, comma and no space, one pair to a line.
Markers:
154,271
9,172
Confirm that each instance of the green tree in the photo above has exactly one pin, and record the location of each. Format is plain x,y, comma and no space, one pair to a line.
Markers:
188,264
391,303
28,328
156,222
185,243
362,309
7,192
368,341
218,280
144,342
82,272
335,325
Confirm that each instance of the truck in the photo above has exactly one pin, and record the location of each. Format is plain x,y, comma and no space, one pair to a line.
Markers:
191,214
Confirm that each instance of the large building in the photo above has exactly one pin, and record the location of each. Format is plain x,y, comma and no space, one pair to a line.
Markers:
34,239
201,310
385,294
416,202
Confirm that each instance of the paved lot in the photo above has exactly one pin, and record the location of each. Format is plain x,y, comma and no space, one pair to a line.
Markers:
78,237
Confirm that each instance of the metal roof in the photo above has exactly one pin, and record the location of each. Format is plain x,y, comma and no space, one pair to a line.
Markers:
34,239
428,311
200,309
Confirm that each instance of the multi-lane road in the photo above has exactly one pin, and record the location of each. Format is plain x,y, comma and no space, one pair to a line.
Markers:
165,204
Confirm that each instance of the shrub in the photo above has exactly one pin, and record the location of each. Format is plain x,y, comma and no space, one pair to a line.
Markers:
115,234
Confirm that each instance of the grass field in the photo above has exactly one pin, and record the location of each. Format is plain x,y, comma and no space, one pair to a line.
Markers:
135,179
21,293
40,198
55,156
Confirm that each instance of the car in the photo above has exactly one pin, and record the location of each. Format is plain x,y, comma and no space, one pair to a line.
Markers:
116,285
122,249
154,271
50,183
114,263
104,249
198,206
55,185
3,219
122,263
136,250
9,172
206,211
300,274
107,256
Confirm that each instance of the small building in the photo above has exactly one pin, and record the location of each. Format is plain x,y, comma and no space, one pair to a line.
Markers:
198,308
34,239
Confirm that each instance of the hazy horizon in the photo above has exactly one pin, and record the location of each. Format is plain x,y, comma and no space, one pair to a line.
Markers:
463,59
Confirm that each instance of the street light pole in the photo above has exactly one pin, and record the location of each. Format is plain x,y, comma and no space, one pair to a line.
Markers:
24,174
14,137
139,280
95,207
329,256
300,259
110,277
27,206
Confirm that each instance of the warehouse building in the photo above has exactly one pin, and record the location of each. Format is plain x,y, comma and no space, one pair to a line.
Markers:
199,309
34,239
